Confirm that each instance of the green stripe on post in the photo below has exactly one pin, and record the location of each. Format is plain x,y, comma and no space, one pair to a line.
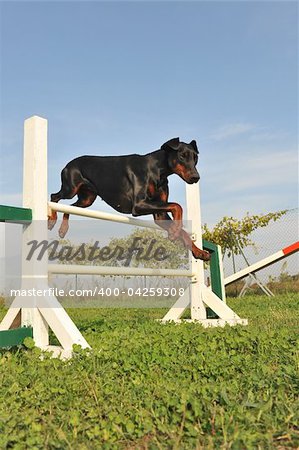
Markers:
214,268
16,336
215,274
14,214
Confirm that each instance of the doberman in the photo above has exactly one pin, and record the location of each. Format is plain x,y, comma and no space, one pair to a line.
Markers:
133,184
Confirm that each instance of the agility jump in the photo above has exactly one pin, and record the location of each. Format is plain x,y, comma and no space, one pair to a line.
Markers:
43,312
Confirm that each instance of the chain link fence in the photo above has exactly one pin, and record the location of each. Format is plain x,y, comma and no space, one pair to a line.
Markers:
281,276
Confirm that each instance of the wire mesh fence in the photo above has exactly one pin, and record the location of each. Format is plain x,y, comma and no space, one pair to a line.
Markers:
280,276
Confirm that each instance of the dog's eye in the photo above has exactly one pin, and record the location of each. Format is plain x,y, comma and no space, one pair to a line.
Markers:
184,155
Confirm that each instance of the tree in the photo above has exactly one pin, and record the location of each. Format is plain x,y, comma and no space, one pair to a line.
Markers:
233,235
172,255
141,248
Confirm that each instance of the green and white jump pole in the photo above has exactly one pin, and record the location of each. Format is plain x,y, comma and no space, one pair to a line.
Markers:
263,263
40,313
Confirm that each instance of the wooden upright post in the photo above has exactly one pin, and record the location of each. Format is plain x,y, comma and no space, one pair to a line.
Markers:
200,296
35,196
39,311
198,310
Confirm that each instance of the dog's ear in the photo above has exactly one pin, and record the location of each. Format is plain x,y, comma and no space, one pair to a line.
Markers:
172,144
194,145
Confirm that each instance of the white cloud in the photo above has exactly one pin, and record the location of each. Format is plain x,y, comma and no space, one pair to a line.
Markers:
231,130
249,180
264,134
262,170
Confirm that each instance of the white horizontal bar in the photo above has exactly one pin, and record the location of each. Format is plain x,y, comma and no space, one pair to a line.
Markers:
121,271
59,207
33,276
255,267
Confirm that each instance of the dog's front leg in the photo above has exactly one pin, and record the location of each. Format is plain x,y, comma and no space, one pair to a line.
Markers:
175,228
164,221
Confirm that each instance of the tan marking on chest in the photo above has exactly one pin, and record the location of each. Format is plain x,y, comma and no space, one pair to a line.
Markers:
164,196
151,189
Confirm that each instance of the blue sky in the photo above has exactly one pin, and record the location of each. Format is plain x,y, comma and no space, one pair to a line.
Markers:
124,77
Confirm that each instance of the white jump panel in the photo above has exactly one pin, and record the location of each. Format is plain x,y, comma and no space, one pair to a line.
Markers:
73,269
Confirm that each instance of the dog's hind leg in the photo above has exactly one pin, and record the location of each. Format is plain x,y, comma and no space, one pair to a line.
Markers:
86,197
71,181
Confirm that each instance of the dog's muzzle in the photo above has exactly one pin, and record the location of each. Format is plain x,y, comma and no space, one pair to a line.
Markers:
193,179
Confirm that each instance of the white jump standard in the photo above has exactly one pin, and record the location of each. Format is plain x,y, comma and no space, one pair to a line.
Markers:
44,312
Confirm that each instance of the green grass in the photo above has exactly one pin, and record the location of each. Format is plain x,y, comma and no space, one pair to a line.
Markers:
152,386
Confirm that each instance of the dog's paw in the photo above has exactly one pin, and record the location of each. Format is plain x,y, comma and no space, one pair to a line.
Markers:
201,254
51,223
63,229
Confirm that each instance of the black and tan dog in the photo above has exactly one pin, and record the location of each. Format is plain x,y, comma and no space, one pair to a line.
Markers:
133,184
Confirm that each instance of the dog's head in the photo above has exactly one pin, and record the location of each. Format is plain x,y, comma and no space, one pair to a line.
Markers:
182,159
